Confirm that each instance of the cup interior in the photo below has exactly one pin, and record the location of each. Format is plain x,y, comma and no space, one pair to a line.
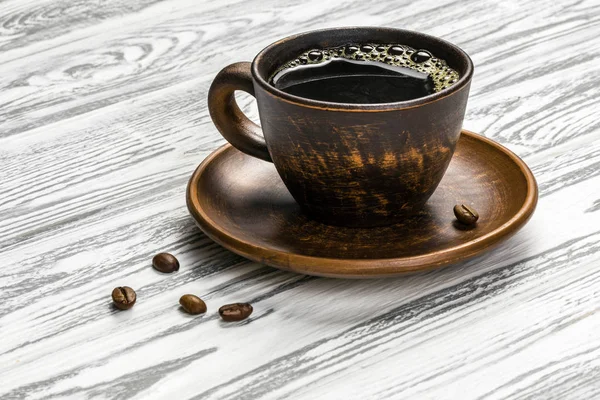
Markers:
282,51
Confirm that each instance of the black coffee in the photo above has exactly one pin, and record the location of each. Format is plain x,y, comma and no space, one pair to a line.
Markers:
368,73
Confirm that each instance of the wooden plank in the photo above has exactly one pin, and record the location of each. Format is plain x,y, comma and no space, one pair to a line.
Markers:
102,120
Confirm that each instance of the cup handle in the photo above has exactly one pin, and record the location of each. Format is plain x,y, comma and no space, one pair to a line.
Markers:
242,133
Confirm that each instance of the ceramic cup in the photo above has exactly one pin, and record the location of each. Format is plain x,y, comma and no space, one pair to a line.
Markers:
357,165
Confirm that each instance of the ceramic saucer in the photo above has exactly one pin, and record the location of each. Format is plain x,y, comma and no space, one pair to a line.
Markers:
242,204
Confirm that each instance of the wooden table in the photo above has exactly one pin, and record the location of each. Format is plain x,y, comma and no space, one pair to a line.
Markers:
102,120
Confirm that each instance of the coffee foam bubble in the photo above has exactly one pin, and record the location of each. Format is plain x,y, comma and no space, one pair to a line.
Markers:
392,54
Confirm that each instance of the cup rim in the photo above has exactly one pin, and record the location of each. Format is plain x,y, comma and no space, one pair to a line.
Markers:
462,83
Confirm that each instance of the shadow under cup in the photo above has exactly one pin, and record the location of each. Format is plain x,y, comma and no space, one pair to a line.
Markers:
357,165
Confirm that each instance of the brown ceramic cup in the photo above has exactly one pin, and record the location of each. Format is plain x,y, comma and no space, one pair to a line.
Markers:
356,165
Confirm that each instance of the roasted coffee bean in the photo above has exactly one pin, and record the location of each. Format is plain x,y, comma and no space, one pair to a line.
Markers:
465,214
123,297
165,262
192,304
235,312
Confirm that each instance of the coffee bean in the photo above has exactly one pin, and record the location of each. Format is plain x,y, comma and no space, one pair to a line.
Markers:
465,214
165,262
235,312
192,304
123,297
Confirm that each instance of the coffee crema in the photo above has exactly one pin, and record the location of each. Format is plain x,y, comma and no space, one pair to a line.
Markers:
364,73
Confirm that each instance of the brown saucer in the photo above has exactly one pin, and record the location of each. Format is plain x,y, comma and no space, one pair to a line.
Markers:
242,204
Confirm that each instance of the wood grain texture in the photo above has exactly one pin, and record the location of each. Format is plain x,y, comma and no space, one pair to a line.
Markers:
103,118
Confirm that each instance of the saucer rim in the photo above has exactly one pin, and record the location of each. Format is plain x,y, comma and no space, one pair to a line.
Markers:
372,267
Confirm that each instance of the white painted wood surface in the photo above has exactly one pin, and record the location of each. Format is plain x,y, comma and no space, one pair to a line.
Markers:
103,119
